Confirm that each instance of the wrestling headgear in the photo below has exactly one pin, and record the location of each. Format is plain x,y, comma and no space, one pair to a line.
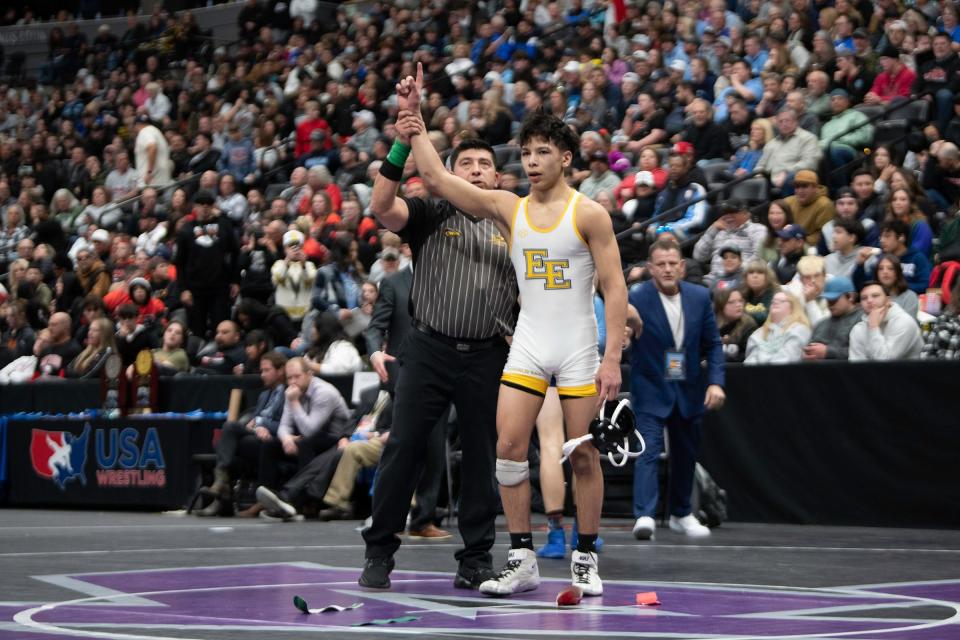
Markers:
611,436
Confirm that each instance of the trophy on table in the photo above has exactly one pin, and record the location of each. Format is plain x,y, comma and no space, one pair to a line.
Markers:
144,383
113,386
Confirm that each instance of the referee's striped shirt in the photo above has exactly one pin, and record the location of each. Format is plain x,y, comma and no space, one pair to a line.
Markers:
463,281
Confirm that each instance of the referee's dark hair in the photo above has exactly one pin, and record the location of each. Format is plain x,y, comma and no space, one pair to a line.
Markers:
472,143
546,126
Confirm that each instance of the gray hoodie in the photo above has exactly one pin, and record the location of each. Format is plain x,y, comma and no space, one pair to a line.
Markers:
897,338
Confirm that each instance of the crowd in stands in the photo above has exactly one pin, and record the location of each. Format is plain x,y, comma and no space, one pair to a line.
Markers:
210,203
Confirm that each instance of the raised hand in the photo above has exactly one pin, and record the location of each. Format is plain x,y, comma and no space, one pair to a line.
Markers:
409,90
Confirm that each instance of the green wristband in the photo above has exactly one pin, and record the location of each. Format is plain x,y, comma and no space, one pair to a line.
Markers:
398,154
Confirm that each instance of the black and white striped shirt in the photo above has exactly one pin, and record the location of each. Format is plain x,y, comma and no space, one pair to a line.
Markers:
463,282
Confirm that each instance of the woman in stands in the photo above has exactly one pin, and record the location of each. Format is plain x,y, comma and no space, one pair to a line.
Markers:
903,207
759,286
331,352
650,161
746,158
99,345
882,166
782,337
779,215
171,357
735,325
889,273
906,179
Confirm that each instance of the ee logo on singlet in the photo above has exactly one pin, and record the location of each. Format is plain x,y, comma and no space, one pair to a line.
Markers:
550,271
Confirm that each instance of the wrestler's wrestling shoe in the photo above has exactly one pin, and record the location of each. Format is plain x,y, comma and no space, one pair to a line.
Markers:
586,576
520,574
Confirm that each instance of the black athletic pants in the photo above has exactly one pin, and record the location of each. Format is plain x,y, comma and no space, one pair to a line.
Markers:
433,373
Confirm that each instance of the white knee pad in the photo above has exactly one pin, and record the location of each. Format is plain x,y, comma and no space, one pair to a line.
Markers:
511,473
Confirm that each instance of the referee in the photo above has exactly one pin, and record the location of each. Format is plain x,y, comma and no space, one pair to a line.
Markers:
462,304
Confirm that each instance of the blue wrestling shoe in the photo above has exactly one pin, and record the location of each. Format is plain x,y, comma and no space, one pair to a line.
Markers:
556,544
574,539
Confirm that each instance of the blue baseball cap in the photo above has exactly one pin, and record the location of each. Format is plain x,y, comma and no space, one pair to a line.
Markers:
836,287
792,232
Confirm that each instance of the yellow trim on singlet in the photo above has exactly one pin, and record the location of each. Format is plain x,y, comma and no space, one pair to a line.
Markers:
583,391
526,213
513,220
527,382
576,230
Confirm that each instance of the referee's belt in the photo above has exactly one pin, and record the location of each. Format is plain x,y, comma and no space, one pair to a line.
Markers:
465,345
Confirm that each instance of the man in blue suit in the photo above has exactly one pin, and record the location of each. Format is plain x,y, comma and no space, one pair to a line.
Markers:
669,387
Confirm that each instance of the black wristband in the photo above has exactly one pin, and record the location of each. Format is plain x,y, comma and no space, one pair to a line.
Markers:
391,171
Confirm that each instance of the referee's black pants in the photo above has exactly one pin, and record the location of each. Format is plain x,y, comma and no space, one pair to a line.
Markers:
432,374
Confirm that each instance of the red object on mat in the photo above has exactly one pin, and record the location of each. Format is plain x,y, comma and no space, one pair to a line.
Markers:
569,597
648,599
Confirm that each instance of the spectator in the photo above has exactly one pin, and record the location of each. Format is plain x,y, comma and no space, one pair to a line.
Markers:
293,277
203,157
314,429
792,151
779,215
101,212
942,340
847,235
732,229
645,123
731,272
848,208
122,181
893,82
257,257
852,75
170,357
337,288
844,136
131,336
91,271
807,286
937,76
152,154
365,133
12,231
811,207
806,120
225,352
99,346
747,157
206,259
831,336
886,332
709,139
650,162
893,241
734,325
247,438
782,337
238,156
330,352
791,239
902,207
601,179
889,273
363,452
759,285
18,338
941,175
685,198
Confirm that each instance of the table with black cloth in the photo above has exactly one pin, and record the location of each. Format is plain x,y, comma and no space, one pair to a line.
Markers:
142,462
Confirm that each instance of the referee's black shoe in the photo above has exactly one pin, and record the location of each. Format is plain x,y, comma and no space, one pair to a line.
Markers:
471,577
376,573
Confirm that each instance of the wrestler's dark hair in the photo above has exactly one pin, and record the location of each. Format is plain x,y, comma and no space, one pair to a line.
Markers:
546,126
